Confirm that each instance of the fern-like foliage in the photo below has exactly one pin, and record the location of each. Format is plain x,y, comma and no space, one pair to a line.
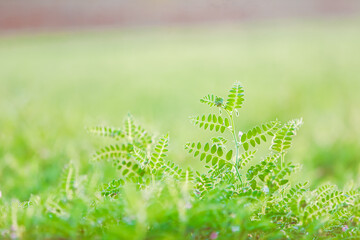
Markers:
68,181
212,154
235,98
265,181
283,137
234,171
258,134
138,158
245,190
106,132
270,175
212,122
245,158
157,157
212,101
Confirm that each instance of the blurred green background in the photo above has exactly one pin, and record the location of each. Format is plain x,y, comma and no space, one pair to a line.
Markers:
53,85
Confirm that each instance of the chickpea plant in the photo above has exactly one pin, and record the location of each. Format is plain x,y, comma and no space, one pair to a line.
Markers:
240,195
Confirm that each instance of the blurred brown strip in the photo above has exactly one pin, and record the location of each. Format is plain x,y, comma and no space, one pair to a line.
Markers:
56,14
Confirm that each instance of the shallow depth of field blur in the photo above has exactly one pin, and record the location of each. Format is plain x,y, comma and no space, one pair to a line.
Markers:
54,84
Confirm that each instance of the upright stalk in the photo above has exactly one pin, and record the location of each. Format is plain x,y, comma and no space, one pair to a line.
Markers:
282,159
236,145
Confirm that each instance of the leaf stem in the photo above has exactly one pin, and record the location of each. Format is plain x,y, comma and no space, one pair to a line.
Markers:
236,145
282,159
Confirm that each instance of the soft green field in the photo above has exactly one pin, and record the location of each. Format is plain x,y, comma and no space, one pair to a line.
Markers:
54,85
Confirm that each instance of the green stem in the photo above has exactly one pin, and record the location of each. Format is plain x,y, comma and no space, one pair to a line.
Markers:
282,159
236,145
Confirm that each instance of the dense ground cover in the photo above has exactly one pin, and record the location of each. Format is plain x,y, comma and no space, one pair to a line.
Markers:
52,86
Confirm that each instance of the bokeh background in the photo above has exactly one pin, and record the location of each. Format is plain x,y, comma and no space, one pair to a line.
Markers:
65,65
